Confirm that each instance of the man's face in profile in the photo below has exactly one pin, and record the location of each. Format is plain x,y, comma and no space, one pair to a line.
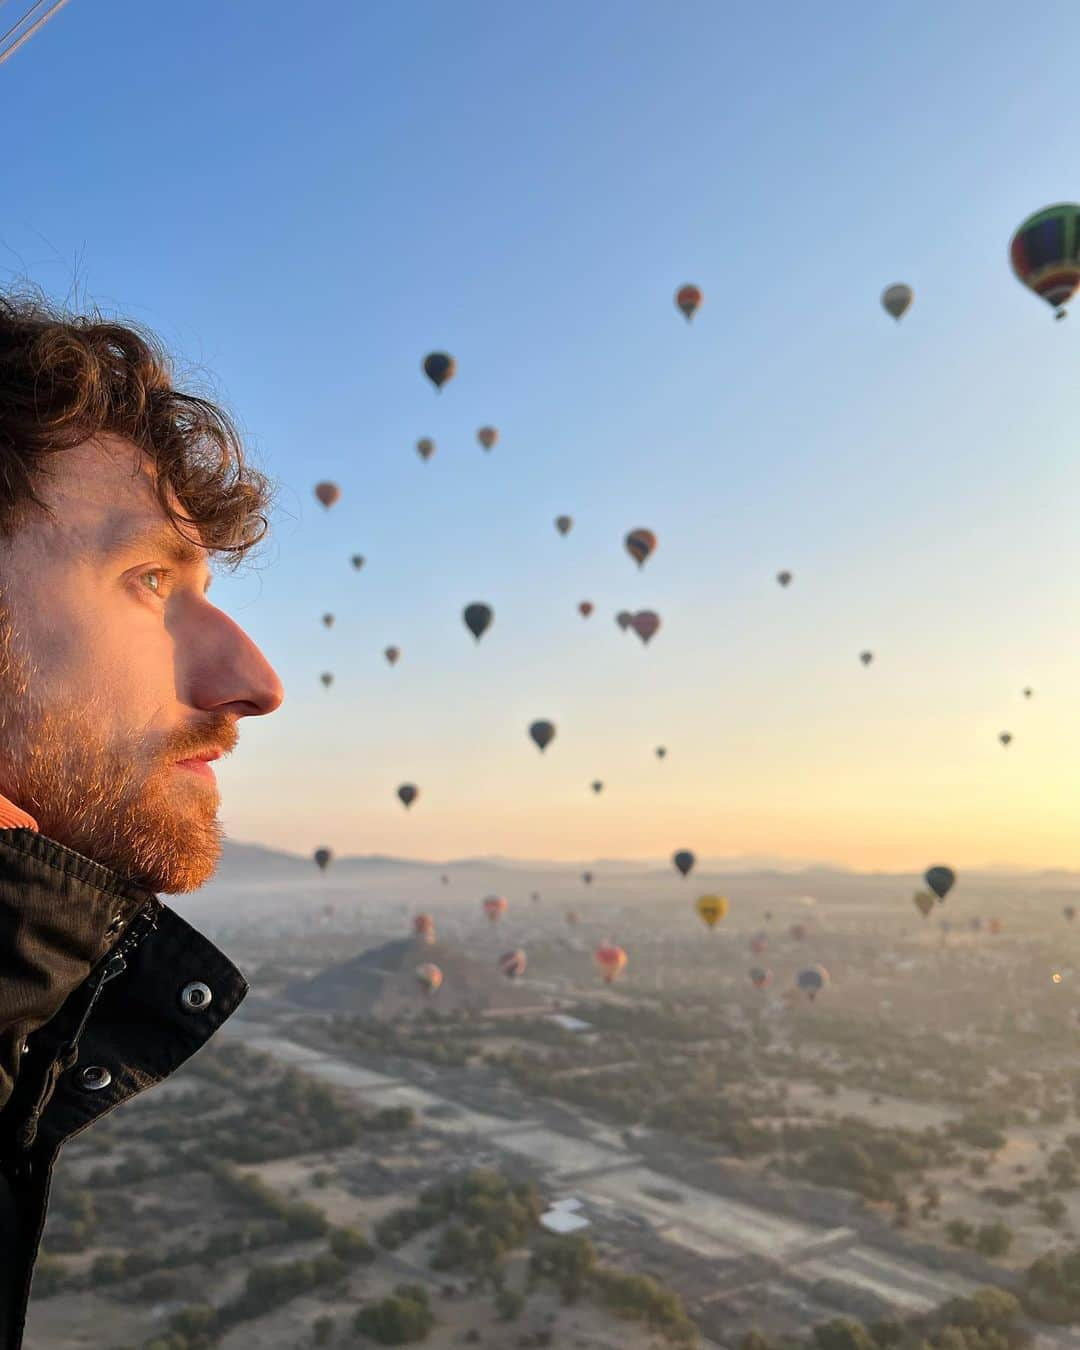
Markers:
114,665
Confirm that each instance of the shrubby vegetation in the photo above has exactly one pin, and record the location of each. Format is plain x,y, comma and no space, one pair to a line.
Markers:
401,1319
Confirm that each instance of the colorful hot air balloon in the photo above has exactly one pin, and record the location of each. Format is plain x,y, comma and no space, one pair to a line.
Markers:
512,964
758,943
328,620
587,878
429,977
711,908
408,792
866,657
322,857
494,907
1045,254
924,902
688,299
624,619
597,786
543,733
661,752
424,927
585,608
1070,912
478,619
487,436
327,679
358,560
392,654
646,624
439,367
564,524
897,300
640,544
812,980
611,960
1005,738
940,879
327,493
784,578
425,447
760,977
684,860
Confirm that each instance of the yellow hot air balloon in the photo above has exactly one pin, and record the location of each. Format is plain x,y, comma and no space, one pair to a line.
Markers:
712,909
923,902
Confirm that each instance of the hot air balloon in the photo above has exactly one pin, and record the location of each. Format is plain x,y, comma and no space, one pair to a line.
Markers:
392,654
1045,254
611,960
322,857
712,908
646,624
327,679
784,578
798,932
408,792
512,964
812,980
684,860
760,977
357,560
564,524
923,902
768,916
640,544
597,786
624,619
327,493
543,733
661,752
424,927
439,367
429,977
478,619
1005,738
425,447
688,299
897,300
995,926
494,907
1028,693
487,436
534,896
587,878
585,608
976,924
866,657
758,943
940,879
1070,912
445,879
328,620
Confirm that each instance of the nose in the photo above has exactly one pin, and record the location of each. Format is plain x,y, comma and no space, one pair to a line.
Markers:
229,673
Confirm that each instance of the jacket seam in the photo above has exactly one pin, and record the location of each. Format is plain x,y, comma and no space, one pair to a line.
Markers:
101,890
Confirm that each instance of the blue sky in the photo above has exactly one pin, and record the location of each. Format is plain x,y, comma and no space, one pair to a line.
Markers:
304,200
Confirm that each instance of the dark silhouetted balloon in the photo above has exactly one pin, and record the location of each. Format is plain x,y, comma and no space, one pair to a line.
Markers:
587,878
684,860
1005,738
784,578
564,524
760,977
358,560
322,857
585,608
478,619
392,654
327,679
487,436
439,367
646,624
897,299
866,657
328,620
425,447
661,752
624,619
327,493
1028,693
923,902
940,879
812,980
1070,912
1045,254
597,786
408,792
543,733
640,544
688,299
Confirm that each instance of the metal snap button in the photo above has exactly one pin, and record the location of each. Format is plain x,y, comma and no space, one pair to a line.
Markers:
115,925
95,1076
195,997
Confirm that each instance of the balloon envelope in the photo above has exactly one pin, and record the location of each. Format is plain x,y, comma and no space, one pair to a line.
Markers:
424,927
661,752
646,624
712,908
1044,254
1005,738
1069,911
429,976
328,620
923,902
512,964
610,959
439,367
543,733
586,608
327,678
322,857
478,619
564,524
597,785
640,544
392,654
784,578
866,657
760,977
624,619
684,860
487,436
358,560
940,879
494,907
327,493
408,792
688,298
897,299
812,980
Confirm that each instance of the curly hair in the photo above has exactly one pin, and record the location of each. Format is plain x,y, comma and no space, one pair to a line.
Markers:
65,378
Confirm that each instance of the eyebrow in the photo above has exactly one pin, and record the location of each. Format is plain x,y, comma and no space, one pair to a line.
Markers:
162,539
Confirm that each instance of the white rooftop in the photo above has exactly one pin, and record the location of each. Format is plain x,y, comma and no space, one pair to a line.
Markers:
562,1221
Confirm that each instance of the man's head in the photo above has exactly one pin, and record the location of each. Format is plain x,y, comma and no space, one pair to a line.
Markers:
116,490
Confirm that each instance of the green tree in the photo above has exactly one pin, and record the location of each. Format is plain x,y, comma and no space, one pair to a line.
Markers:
842,1334
994,1239
959,1232
509,1304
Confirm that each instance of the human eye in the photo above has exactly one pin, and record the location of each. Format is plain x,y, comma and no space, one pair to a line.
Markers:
164,574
